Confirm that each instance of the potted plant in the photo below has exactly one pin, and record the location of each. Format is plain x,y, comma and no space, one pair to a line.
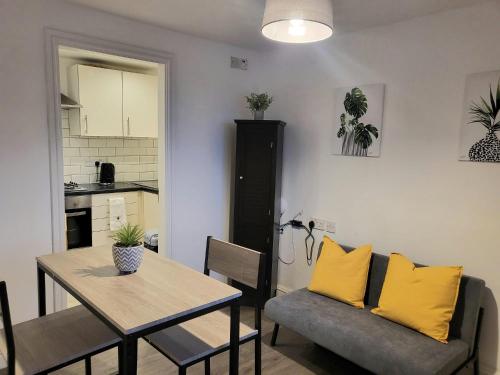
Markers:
258,103
357,136
127,249
487,114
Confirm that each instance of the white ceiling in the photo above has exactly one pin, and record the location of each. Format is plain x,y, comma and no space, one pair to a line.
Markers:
238,21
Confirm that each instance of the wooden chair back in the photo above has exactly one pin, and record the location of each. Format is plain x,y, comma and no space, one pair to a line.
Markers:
6,329
241,264
235,262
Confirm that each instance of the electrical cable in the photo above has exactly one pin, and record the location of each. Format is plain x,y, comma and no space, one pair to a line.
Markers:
289,263
296,224
309,252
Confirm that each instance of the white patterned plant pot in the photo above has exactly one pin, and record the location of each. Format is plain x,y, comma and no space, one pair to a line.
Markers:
127,259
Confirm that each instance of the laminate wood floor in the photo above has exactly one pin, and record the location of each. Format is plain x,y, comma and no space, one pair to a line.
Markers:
293,355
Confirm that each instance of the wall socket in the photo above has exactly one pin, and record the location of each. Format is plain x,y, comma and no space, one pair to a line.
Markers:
331,227
239,63
324,225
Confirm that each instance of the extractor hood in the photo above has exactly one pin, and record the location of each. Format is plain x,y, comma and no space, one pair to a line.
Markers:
68,103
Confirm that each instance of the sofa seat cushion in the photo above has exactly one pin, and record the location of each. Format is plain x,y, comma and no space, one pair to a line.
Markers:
372,342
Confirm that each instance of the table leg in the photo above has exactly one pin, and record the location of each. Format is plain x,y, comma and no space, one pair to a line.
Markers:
42,301
127,356
234,355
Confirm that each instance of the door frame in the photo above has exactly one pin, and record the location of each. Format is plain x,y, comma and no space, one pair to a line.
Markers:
53,40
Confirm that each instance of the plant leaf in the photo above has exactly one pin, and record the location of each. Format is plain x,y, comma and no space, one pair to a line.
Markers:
355,103
480,115
488,110
259,102
486,113
494,109
372,129
128,235
362,135
498,92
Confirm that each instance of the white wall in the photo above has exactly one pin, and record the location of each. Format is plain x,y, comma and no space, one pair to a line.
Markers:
416,198
207,96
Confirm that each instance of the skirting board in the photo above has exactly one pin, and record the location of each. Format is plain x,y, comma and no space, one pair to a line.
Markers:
281,289
487,370
484,369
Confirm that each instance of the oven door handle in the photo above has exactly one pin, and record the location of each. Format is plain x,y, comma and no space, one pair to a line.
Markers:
78,213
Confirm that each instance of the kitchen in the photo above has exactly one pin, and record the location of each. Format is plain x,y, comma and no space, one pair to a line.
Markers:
109,116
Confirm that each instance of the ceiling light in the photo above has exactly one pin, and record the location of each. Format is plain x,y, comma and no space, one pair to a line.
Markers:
298,21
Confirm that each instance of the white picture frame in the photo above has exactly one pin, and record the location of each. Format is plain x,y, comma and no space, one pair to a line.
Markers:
358,120
477,143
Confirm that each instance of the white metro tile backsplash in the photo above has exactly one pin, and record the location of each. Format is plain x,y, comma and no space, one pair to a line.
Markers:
134,159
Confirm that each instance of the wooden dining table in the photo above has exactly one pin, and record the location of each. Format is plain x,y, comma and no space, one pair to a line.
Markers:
162,293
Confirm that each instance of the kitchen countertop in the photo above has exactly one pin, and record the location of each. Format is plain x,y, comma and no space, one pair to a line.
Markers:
117,187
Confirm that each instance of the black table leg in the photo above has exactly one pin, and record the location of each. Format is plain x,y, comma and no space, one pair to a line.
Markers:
234,355
127,356
42,302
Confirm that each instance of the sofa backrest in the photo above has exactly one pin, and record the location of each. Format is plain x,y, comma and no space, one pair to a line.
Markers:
464,323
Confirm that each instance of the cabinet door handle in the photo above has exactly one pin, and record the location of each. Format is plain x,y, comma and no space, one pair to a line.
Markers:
86,124
241,177
128,125
74,214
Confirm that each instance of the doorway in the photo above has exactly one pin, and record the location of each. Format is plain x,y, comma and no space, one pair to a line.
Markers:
124,124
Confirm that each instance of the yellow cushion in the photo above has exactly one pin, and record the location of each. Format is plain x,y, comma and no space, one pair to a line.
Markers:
422,298
342,275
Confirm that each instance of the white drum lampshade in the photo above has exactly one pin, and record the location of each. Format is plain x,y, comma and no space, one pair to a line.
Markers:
298,21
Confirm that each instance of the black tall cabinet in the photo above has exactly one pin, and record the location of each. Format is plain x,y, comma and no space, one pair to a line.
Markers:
257,194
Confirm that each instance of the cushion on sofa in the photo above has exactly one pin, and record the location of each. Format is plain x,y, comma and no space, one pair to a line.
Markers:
422,298
370,341
342,275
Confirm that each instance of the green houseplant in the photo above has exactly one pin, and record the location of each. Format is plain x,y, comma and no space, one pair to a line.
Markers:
127,249
258,103
486,113
356,136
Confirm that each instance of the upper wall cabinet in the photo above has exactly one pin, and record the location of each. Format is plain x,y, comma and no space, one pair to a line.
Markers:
99,91
114,103
140,105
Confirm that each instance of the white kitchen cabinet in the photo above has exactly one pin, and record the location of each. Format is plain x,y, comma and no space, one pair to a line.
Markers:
140,105
99,91
114,103
151,211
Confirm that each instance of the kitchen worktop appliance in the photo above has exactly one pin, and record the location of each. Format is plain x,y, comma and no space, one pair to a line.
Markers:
107,175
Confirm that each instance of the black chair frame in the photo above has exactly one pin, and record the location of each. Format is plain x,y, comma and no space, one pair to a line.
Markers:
258,321
10,342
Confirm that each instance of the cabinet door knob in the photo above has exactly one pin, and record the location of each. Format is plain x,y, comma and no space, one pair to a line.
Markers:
241,177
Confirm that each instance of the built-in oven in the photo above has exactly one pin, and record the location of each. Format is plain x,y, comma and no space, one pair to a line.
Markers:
78,210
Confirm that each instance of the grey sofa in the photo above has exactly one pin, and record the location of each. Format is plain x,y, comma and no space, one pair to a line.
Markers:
377,344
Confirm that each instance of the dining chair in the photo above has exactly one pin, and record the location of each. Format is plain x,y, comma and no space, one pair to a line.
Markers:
48,343
201,338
